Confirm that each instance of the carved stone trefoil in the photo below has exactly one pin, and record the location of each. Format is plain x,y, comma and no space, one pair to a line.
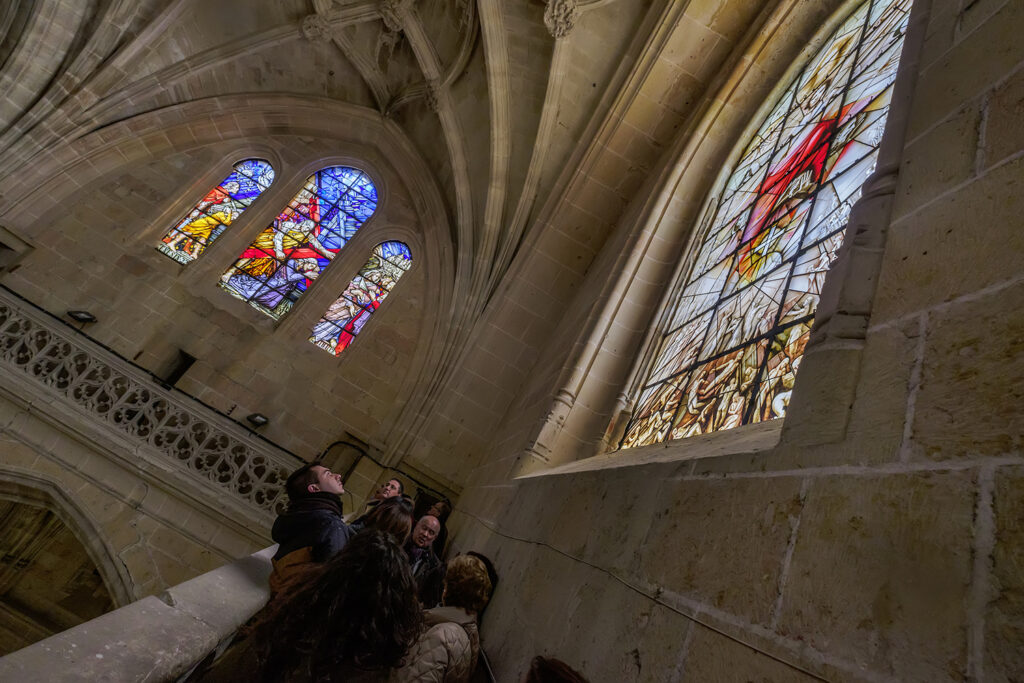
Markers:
560,17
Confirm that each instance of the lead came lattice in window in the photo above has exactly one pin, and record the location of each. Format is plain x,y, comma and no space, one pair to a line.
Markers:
741,320
346,316
285,259
217,210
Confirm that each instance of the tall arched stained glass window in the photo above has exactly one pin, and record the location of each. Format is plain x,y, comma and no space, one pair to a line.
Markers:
217,210
744,312
282,262
345,318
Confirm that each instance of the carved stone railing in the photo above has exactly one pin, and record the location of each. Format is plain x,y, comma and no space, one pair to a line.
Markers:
109,389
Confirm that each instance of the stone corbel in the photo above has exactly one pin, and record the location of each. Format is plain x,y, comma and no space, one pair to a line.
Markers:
392,13
560,17
316,28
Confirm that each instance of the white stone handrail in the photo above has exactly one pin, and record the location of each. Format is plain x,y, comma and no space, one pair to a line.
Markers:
153,639
58,361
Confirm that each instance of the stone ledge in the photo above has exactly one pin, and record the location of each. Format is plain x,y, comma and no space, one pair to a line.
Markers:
754,438
153,639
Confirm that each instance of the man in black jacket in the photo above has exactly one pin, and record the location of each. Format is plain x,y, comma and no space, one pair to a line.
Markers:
312,529
426,566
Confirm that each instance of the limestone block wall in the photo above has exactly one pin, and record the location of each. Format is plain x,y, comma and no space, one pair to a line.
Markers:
890,550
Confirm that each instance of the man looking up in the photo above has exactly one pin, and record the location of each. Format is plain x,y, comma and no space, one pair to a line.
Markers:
426,567
389,489
312,528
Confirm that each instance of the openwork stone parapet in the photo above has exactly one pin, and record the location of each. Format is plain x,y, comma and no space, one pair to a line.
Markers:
107,389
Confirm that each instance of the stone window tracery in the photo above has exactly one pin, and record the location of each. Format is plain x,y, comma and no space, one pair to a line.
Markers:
217,210
352,310
742,315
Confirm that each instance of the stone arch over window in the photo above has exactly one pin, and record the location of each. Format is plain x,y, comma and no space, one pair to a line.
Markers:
733,336
35,491
218,209
345,318
280,265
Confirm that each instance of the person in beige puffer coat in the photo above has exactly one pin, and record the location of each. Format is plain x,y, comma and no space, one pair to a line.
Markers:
447,651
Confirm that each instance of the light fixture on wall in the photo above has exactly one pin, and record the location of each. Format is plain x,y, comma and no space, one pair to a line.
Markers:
82,316
257,419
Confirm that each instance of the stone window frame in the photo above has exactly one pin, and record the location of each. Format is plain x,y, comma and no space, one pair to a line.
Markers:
294,326
823,396
367,254
289,179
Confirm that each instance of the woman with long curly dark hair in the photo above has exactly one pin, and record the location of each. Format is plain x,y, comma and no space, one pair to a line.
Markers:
352,619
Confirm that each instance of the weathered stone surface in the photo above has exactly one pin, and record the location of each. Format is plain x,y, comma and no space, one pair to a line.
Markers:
151,639
713,657
1004,618
883,387
879,574
971,400
938,160
722,542
1004,130
659,655
963,242
968,68
606,649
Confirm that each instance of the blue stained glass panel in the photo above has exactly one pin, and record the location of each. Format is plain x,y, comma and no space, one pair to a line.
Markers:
218,209
291,253
344,319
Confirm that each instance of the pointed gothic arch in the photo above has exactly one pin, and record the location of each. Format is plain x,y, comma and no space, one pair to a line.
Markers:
32,489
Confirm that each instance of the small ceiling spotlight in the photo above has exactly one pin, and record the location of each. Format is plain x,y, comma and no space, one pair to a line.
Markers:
82,316
257,419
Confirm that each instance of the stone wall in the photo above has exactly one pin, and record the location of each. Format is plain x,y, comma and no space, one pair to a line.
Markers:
887,548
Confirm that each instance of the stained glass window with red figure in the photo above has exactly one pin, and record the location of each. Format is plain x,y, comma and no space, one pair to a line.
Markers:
744,312
344,319
284,260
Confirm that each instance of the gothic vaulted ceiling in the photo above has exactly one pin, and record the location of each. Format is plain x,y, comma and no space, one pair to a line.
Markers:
523,113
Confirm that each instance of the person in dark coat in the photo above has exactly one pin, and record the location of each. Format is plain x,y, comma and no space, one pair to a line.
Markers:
352,618
441,509
312,529
427,568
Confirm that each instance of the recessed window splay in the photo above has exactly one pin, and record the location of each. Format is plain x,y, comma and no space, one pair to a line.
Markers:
364,294
734,340
217,210
284,260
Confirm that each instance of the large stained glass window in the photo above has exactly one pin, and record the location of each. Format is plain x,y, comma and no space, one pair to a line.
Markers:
285,259
742,317
346,316
217,210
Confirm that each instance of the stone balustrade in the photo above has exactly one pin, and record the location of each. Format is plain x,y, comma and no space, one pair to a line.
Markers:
45,358
153,639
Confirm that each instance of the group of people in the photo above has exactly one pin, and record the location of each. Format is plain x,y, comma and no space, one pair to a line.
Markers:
365,599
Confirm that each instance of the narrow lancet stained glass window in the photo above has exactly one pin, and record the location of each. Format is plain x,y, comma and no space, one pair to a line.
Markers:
346,316
743,316
284,260
217,210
